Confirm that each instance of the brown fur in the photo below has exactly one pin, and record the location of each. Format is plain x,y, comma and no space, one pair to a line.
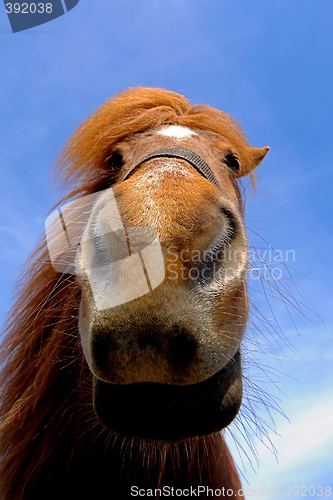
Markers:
47,422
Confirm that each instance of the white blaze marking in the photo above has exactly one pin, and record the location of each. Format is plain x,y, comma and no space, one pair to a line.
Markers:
176,131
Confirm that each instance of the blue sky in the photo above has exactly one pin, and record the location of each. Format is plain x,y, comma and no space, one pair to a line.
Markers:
268,64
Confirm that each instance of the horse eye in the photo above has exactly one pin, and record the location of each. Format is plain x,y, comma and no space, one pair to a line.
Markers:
115,161
232,161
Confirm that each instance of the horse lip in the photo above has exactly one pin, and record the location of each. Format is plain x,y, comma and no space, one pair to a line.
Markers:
169,412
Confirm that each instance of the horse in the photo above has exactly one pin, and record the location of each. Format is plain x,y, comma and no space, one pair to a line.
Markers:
111,389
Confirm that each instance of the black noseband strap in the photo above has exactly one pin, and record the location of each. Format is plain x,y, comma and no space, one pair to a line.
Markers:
193,158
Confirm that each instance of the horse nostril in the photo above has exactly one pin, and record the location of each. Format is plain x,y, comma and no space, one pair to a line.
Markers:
214,259
207,270
219,255
182,347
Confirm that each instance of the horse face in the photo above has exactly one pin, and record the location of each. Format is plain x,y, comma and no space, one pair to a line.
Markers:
166,363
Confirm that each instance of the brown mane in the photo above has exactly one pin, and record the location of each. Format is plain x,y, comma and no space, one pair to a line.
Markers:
46,414
132,111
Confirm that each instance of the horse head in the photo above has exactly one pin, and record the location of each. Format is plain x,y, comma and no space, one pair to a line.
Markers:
162,269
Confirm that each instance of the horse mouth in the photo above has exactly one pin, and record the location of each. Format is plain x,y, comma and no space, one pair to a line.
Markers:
171,412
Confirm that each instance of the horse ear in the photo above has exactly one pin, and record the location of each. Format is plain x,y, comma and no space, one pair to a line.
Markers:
257,155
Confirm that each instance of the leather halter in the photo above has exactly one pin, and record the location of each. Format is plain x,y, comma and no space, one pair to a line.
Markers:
190,156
